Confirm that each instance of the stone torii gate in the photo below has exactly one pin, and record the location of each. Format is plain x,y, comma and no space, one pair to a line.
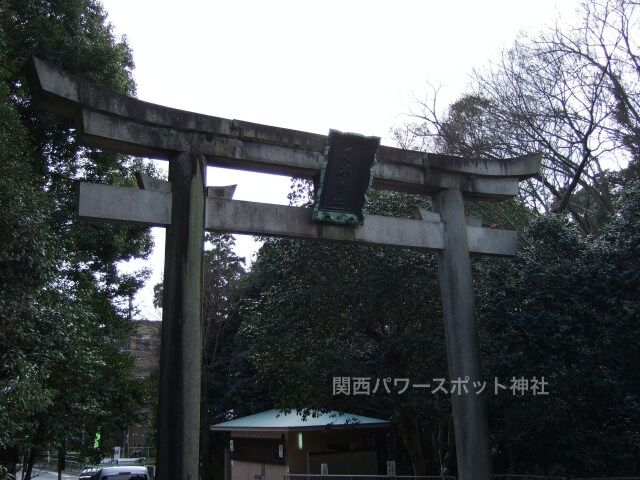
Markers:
186,207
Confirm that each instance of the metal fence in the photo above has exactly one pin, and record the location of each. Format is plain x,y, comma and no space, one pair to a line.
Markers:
526,477
303,476
441,477
52,464
141,451
75,466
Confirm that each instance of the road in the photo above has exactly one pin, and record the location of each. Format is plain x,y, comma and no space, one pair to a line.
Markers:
50,475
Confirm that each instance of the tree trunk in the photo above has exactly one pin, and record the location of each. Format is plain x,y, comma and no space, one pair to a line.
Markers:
513,460
31,459
447,444
429,463
411,436
62,460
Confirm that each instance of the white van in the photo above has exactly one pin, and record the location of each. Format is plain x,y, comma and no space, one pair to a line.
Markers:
124,472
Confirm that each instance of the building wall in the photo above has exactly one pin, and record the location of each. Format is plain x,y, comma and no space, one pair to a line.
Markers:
259,449
334,440
241,470
345,450
361,462
144,346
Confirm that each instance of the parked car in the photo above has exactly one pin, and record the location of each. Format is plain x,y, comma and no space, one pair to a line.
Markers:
130,461
88,472
125,472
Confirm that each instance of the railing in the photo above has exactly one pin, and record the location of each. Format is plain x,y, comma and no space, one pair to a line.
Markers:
52,464
440,477
303,476
141,451
526,477
73,466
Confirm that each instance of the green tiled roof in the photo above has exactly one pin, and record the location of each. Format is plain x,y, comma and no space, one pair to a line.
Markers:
276,420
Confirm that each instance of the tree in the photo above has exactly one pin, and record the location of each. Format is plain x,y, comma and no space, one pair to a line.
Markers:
558,311
604,44
62,375
229,386
570,93
320,312
223,271
328,312
24,268
566,307
316,312
224,285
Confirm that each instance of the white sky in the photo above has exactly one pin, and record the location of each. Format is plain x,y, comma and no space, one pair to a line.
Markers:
311,65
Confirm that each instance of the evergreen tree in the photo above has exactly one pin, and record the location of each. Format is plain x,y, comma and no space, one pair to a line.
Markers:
563,309
62,376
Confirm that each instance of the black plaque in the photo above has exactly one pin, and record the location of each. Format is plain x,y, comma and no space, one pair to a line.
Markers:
345,178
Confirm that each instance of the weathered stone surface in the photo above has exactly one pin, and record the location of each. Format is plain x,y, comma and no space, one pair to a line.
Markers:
461,334
519,167
222,192
491,241
153,207
116,122
147,182
283,221
124,204
181,345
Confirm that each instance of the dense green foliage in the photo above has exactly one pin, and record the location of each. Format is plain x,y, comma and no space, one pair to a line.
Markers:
230,382
62,376
566,308
323,312
320,312
563,310
227,378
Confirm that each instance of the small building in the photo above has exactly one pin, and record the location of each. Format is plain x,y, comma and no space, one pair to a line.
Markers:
268,445
144,346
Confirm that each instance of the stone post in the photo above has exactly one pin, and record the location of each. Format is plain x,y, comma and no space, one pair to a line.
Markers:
463,357
181,347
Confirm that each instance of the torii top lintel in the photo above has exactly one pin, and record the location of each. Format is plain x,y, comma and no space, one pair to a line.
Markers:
124,124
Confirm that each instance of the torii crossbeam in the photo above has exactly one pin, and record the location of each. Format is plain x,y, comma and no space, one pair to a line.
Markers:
192,141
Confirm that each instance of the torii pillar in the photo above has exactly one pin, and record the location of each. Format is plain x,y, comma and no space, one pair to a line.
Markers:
463,356
192,141
178,440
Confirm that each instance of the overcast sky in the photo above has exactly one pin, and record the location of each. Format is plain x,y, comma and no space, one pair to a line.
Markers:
311,65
